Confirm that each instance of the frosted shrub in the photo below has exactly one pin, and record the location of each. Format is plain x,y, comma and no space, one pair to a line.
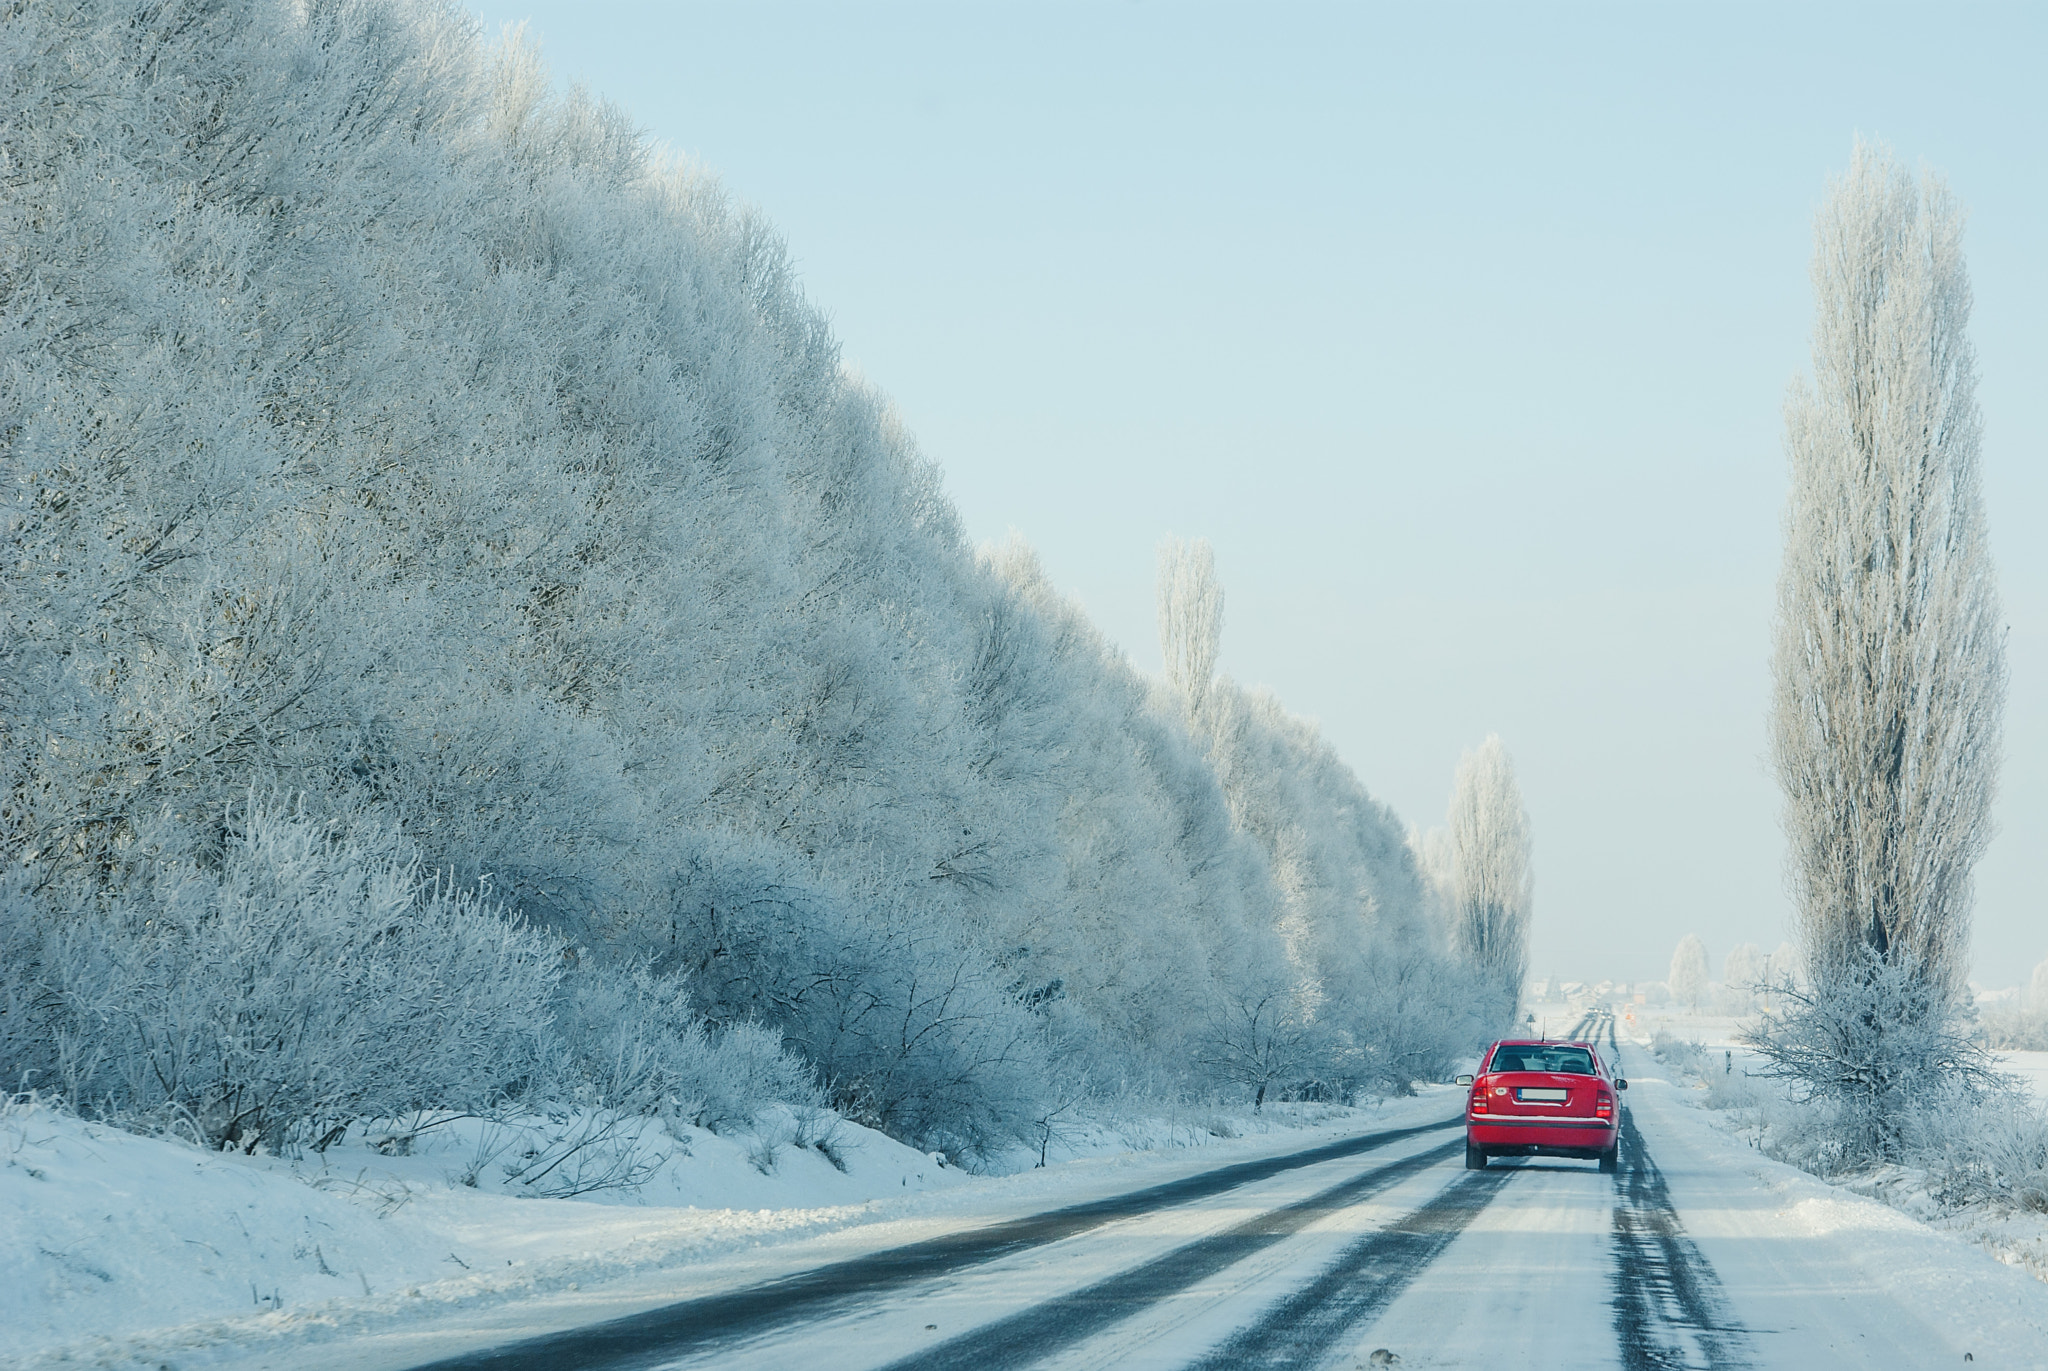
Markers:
314,978
578,1154
1992,1149
750,1067
910,1035
631,1040
624,1039
1682,1053
1872,1046
910,1032
1260,1039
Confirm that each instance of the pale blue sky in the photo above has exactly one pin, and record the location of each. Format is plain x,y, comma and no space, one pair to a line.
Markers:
1461,333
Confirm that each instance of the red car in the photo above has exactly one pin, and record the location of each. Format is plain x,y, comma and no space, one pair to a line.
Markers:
1542,1098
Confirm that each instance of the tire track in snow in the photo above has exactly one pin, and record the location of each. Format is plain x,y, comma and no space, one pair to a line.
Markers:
1367,1277
1033,1334
1669,1311
696,1326
1301,1330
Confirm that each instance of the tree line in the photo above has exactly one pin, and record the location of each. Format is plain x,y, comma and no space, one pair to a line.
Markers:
465,638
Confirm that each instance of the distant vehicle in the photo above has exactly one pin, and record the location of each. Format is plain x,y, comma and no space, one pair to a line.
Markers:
1548,1099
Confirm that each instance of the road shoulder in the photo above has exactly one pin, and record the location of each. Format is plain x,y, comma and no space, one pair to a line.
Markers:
426,1322
1822,1276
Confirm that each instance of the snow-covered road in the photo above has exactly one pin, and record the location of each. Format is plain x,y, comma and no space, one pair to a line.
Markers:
1698,1254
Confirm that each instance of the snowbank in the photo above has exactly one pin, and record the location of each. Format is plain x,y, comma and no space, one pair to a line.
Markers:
118,1250
107,1233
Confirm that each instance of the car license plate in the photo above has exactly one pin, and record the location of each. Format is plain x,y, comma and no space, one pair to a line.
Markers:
1543,1096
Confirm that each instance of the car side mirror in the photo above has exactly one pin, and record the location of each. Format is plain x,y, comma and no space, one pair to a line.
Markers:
1621,1082
1461,1080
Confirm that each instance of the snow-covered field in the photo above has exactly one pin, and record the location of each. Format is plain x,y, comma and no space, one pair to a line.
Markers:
118,1250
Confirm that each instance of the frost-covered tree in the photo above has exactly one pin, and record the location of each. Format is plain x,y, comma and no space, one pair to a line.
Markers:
1782,970
2019,1022
1190,617
1741,973
1889,663
1485,854
1689,973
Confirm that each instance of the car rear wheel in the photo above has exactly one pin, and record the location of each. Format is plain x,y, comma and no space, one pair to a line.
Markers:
1475,1158
1610,1161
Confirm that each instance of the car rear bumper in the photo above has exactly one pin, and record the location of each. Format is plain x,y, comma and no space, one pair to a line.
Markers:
1577,1135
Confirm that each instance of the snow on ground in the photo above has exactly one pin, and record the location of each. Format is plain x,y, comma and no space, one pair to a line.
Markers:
1824,1276
2014,1237
107,1233
119,1250
2031,1067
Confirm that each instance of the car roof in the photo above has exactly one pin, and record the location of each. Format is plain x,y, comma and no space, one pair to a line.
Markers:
1544,1042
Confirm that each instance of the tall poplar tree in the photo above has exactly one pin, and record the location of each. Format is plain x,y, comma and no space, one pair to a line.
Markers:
1487,852
1190,617
1890,663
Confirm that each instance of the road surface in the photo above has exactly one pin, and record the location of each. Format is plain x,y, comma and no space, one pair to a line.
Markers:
1347,1255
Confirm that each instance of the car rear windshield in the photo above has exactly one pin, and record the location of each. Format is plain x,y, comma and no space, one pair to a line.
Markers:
1571,1061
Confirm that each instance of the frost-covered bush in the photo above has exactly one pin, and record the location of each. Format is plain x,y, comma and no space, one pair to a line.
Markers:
633,1041
908,1030
313,978
1683,1053
1870,1047
1990,1148
1951,1145
1261,1038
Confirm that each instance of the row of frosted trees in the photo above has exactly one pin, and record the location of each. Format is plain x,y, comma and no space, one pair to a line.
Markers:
1330,846
467,638
1748,975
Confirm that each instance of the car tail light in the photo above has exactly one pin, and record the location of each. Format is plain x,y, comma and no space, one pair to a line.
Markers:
1604,1106
1479,1095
